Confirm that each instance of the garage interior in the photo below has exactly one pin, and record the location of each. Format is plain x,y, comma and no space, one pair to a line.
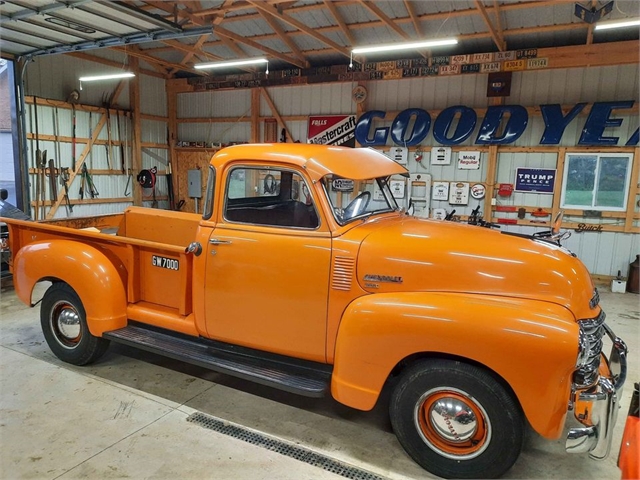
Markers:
126,416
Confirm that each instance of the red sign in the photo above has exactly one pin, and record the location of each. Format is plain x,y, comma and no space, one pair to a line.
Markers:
332,130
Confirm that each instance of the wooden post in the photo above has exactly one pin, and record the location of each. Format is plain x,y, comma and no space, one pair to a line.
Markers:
255,115
492,170
172,127
557,186
136,147
275,113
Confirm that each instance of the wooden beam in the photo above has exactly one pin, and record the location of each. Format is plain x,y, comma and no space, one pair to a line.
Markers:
497,38
498,14
275,113
373,8
412,13
151,59
255,116
338,18
136,128
80,160
282,35
111,63
238,38
300,26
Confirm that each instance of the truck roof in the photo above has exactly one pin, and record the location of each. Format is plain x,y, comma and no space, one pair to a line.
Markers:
317,160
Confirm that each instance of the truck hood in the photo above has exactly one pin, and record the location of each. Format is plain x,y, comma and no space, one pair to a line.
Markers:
410,255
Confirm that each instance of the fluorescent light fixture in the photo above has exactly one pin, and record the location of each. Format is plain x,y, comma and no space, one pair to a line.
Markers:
620,24
107,77
231,63
405,46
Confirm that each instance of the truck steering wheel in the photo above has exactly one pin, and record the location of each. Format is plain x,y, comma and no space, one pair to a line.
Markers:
357,205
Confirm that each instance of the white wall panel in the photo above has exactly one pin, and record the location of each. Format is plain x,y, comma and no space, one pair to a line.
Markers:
319,99
153,96
228,103
214,132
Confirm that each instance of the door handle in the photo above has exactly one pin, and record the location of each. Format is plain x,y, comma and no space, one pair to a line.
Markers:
215,241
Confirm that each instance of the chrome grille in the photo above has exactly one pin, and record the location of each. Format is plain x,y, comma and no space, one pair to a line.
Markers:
595,300
593,330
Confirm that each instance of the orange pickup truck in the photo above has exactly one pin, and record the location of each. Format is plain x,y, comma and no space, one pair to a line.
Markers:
303,274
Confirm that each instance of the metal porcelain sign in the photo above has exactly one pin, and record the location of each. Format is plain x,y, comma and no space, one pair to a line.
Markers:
411,126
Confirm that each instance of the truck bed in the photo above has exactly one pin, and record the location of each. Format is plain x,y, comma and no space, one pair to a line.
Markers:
148,244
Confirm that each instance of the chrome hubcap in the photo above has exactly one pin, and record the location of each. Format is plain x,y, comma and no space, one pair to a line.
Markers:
453,419
452,423
65,324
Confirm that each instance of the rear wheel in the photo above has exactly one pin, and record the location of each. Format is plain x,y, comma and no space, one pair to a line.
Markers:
456,420
64,325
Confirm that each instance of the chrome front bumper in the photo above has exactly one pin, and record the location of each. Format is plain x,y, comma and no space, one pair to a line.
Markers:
601,405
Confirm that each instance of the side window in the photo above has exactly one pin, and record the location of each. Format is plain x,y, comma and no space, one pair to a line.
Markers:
211,186
270,196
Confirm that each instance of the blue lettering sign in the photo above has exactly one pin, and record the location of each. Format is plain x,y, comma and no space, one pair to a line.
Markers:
555,123
401,124
466,124
362,130
515,126
598,120
634,139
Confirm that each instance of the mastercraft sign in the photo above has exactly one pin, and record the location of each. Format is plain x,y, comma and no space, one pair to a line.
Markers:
536,180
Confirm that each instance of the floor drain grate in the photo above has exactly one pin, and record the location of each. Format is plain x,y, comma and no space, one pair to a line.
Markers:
283,448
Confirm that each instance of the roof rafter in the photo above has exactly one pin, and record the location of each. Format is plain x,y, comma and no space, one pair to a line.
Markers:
136,52
282,35
240,39
497,37
373,8
300,26
343,26
412,13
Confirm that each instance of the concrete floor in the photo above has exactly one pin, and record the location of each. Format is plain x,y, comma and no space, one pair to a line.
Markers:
125,417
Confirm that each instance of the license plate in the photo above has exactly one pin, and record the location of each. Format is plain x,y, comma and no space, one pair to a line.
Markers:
164,262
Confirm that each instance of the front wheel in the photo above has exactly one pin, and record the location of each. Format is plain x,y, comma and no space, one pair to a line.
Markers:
456,420
64,325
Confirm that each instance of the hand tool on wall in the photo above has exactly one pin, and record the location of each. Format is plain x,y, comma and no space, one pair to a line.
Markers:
43,187
64,181
169,177
87,184
38,160
90,137
73,138
53,185
106,104
120,141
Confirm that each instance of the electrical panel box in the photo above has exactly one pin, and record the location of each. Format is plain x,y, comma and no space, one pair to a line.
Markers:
194,178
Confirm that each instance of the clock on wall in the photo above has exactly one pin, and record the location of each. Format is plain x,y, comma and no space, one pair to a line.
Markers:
359,94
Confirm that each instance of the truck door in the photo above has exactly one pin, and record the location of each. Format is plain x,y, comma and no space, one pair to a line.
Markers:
268,263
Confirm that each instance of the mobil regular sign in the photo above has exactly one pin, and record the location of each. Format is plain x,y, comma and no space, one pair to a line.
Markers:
501,125
538,180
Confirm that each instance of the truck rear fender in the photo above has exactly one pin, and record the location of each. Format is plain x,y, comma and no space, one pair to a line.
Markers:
531,345
93,275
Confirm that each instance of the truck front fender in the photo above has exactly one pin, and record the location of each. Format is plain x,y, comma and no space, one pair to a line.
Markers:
532,345
86,269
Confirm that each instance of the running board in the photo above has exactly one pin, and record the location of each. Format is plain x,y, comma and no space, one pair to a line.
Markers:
284,373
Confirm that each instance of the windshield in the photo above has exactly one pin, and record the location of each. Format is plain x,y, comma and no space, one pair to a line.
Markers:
351,199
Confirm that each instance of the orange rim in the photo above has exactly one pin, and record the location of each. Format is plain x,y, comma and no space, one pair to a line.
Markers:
452,423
